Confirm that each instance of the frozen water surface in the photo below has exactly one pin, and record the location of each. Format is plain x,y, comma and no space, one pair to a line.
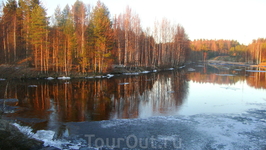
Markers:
203,131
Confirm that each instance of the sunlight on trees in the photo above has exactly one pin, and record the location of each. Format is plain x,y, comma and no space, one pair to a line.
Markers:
255,53
84,39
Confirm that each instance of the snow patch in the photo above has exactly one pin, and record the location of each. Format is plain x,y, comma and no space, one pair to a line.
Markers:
145,72
123,83
238,69
226,68
98,77
200,66
226,75
131,73
109,75
63,78
49,78
191,69
89,77
33,86
2,79
182,67
255,71
170,69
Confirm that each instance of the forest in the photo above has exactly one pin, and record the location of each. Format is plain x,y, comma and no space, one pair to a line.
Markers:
81,38
254,53
85,39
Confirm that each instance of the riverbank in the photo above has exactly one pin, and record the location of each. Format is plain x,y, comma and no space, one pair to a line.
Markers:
229,63
229,60
12,138
21,72
220,62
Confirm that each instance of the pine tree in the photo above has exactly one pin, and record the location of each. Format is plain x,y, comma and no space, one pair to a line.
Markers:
38,27
67,26
102,34
9,21
80,16
24,14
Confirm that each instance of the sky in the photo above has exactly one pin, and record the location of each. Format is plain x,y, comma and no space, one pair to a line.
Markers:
241,20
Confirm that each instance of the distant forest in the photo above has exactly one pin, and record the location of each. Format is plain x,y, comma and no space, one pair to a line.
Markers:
254,53
84,39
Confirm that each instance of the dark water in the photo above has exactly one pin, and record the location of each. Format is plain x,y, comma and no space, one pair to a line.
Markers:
48,102
59,104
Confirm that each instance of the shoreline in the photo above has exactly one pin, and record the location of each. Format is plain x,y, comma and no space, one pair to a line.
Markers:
13,138
221,62
8,72
245,64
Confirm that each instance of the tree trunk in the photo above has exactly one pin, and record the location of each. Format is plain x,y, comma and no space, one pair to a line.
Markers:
46,50
65,58
15,37
126,47
41,57
4,44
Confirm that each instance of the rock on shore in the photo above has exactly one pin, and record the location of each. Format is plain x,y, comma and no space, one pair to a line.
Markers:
12,138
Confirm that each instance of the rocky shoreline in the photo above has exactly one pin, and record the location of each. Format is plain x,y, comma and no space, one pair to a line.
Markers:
12,138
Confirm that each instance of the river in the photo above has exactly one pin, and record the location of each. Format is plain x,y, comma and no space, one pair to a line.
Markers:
198,107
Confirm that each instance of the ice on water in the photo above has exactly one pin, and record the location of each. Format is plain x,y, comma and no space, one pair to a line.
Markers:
47,136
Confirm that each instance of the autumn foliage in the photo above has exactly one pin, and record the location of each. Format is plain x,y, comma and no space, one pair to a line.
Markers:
85,39
254,53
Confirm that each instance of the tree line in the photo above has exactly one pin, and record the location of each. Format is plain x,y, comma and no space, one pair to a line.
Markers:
85,39
254,53
257,49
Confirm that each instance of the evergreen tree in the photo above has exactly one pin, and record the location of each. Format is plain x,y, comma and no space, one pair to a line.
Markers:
102,34
38,30
80,20
24,14
67,26
9,28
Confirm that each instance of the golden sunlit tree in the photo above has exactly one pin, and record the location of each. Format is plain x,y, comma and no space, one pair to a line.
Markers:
101,37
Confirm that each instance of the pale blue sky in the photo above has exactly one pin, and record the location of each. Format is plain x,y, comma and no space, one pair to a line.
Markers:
241,20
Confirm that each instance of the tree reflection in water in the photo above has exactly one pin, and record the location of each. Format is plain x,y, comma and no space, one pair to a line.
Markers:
53,102
48,104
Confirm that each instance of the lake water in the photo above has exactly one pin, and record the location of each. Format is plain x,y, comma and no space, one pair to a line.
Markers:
223,104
